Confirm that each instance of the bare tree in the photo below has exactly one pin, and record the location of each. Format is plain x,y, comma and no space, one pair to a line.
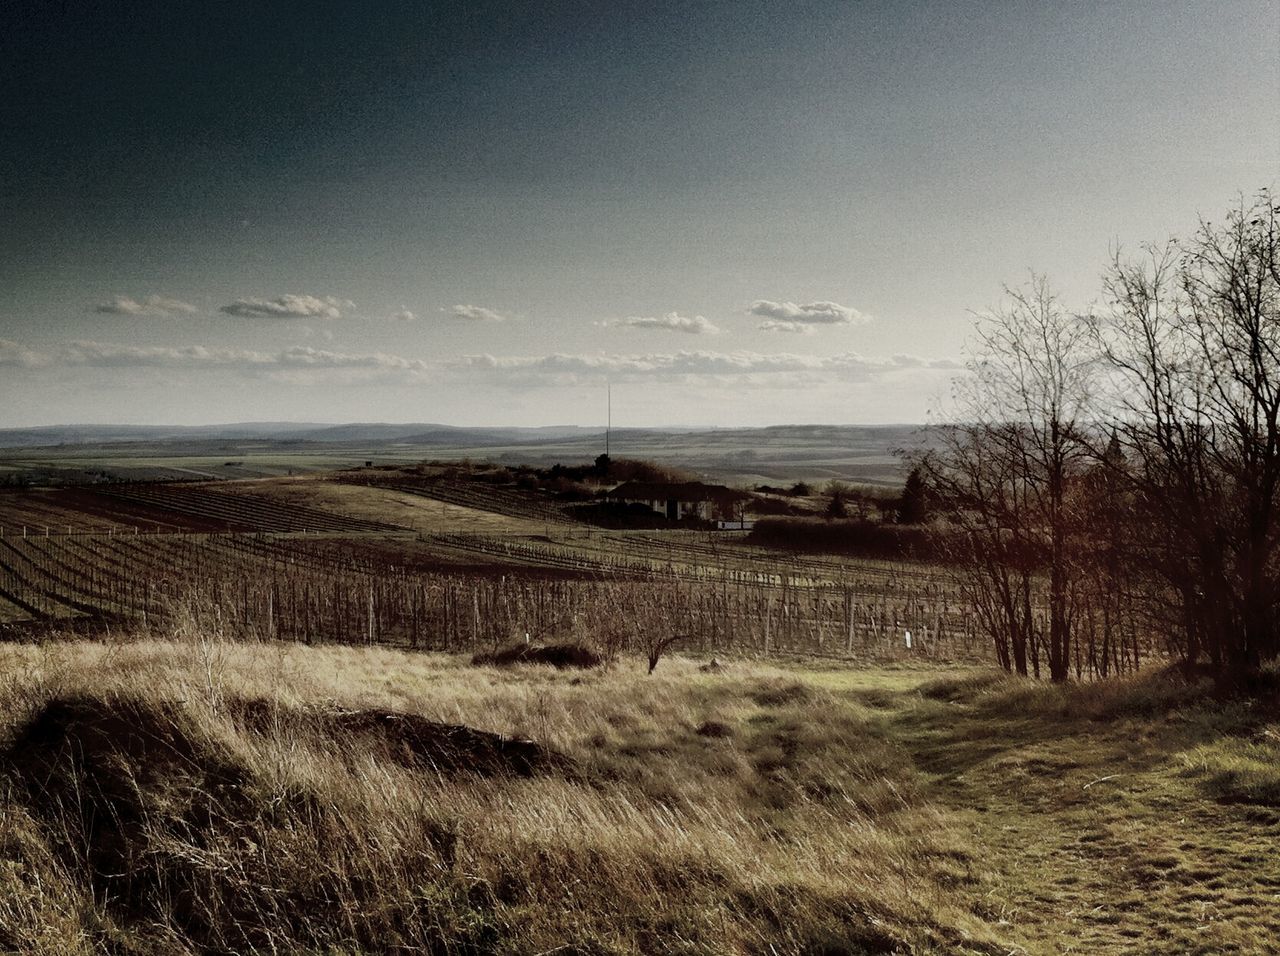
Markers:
1109,631
1193,343
977,490
1005,467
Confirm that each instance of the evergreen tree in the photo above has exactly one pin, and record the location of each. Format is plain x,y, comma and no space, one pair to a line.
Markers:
913,507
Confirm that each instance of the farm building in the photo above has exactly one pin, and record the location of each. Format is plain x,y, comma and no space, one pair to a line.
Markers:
679,500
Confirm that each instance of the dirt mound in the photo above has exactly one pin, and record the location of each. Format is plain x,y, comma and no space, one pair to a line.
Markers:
186,845
413,741
118,776
449,748
561,656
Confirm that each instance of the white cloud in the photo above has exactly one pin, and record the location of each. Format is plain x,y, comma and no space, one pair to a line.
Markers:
404,315
778,369
785,325
671,322
791,317
13,355
306,365
305,357
150,305
476,313
289,307
105,355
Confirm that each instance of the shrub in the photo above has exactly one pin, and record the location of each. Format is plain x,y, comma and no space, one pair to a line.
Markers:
559,656
853,537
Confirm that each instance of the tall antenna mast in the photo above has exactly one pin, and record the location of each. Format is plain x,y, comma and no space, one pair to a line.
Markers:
609,426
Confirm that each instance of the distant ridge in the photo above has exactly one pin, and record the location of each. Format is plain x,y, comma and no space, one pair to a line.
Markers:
377,433
777,454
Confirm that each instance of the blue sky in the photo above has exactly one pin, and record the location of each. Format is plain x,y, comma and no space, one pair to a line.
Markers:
738,213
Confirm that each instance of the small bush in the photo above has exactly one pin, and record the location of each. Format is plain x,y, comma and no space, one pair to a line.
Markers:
856,537
962,687
559,656
996,694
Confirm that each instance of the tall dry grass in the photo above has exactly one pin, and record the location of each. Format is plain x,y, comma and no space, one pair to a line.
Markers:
790,829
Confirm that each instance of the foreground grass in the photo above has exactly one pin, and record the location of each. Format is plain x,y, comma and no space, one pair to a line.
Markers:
758,809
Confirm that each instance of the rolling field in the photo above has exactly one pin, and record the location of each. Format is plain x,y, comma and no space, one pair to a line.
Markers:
433,559
450,592
160,508
389,505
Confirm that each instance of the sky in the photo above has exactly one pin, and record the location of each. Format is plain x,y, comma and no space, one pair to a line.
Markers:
483,213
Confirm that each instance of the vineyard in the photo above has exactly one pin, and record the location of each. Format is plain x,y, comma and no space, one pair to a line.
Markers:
326,589
162,508
254,563
241,512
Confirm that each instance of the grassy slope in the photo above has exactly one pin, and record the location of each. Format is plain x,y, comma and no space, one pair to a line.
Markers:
1108,813
836,811
383,504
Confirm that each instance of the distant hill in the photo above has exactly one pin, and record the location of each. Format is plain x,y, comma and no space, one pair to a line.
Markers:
106,434
860,453
359,432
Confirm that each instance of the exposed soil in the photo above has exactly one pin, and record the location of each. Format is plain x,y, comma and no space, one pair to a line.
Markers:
714,728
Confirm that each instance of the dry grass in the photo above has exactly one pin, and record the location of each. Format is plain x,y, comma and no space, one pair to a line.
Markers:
1240,769
386,505
754,809
800,831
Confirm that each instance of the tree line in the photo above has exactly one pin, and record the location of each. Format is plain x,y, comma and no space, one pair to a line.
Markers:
1109,479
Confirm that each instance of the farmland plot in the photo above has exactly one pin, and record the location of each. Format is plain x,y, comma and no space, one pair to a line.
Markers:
243,512
477,495
161,508
386,505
